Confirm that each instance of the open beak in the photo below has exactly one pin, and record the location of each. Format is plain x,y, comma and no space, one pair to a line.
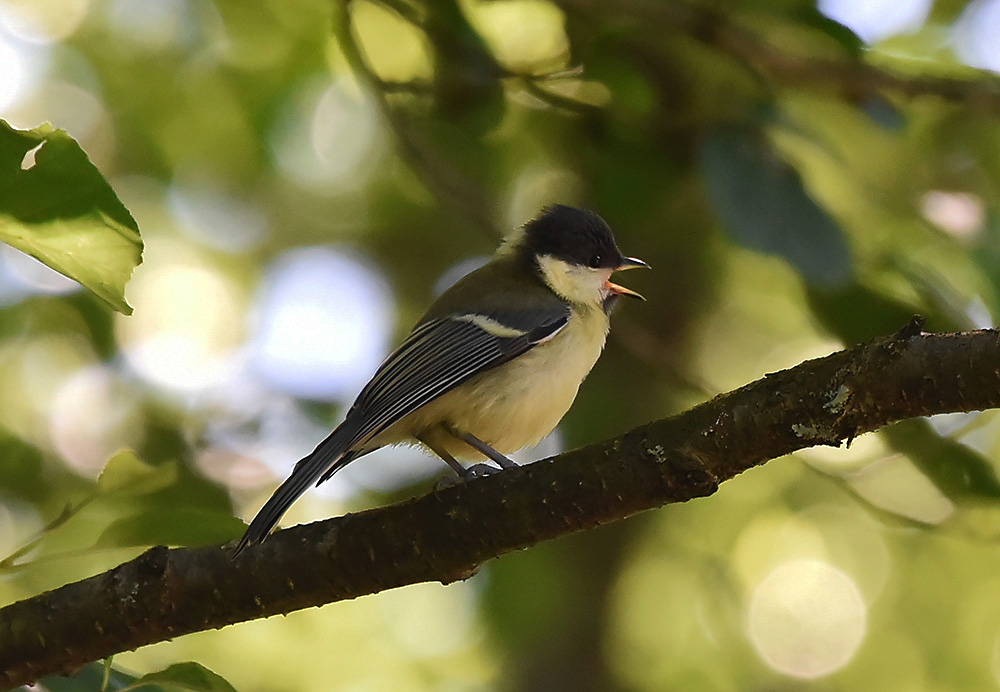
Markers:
627,263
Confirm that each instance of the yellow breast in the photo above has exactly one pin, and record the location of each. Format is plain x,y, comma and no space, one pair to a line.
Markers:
516,404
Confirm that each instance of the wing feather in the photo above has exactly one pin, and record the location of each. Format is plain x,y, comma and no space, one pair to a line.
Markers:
441,354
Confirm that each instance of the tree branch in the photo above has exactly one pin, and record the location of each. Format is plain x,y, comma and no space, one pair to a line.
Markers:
445,535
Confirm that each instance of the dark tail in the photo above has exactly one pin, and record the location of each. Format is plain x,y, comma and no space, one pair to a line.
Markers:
329,457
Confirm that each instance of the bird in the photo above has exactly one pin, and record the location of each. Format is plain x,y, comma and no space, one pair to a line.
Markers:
492,366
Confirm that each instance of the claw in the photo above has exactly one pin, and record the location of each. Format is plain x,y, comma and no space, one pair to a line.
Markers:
471,473
480,471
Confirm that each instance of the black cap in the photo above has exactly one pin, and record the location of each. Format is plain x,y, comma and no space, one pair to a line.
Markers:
574,235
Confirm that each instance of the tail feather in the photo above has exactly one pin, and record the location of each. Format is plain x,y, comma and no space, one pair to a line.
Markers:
330,456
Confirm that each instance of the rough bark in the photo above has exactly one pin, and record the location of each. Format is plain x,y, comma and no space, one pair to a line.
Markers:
445,535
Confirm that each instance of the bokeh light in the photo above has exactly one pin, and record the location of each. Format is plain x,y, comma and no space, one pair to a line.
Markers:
13,72
430,621
839,460
807,618
827,532
31,276
32,373
187,329
896,485
975,35
152,25
215,218
72,108
43,21
874,20
397,49
959,213
323,323
255,435
326,137
523,34
94,415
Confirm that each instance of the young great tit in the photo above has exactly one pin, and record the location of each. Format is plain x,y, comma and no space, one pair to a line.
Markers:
492,366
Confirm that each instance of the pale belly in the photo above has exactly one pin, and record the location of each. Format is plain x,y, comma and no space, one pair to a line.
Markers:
516,404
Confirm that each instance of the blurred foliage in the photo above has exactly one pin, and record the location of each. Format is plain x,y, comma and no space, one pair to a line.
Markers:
794,188
762,202
180,677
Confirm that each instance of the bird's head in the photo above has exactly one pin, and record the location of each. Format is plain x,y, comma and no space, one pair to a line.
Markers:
574,252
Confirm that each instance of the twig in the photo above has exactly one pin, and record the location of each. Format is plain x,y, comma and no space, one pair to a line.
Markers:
851,77
443,181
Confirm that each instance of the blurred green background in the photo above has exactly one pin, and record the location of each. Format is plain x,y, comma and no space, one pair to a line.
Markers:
308,174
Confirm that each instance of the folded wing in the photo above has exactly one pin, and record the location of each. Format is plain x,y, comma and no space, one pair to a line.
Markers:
441,354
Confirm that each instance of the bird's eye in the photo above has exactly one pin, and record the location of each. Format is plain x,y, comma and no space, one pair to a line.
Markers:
595,260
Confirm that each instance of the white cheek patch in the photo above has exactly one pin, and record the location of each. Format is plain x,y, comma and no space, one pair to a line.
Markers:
572,282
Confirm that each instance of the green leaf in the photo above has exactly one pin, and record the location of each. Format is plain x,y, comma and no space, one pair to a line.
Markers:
159,525
185,676
189,676
21,470
842,34
56,207
957,470
87,679
884,113
765,207
126,473
856,312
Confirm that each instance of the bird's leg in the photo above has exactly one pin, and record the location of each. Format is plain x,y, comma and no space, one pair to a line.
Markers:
444,455
465,474
482,447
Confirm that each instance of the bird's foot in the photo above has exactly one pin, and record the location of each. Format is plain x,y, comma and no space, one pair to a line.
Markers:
471,473
480,471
